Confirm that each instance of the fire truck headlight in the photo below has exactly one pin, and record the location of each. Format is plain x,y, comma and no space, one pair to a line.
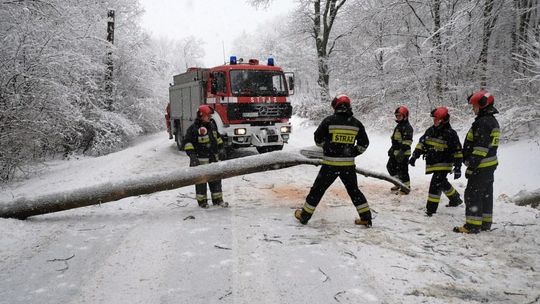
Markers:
240,131
285,129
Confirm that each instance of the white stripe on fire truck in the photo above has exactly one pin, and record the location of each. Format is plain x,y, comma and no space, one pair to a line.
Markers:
212,100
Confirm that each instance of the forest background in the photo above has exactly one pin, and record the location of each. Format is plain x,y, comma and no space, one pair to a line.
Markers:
56,99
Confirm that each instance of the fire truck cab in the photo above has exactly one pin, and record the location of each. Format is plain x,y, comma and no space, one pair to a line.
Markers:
250,101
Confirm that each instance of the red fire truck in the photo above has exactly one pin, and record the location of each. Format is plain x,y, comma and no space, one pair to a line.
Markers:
250,100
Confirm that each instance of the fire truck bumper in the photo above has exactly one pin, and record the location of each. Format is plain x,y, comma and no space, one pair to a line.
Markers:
275,135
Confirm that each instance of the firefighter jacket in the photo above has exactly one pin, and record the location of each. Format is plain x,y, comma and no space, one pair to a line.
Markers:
401,139
203,140
441,147
342,138
482,141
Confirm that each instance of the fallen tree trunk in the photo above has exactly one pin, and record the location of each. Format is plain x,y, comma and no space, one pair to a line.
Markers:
23,207
524,198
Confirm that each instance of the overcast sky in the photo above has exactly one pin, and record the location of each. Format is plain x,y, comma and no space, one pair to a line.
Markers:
217,22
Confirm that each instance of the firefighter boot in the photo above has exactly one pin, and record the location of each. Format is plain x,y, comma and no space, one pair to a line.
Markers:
301,216
455,201
485,226
362,222
203,204
467,229
221,204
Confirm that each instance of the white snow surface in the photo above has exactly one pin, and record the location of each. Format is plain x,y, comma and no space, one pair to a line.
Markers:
163,248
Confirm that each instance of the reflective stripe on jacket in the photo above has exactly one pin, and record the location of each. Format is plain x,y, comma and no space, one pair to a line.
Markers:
204,140
342,138
442,149
482,140
402,138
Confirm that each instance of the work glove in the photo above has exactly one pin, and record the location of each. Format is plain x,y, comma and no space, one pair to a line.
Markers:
193,160
222,154
457,173
412,161
400,156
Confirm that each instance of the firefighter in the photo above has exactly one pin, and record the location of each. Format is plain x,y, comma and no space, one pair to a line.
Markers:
442,149
203,144
168,120
342,138
400,151
480,157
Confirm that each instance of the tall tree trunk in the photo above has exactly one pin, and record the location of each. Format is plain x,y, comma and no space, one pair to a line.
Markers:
520,33
438,54
323,22
490,19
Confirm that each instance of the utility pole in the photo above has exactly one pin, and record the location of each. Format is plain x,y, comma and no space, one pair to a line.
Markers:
110,64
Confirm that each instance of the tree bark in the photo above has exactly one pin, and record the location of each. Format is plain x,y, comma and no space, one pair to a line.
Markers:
323,21
22,208
490,19
438,53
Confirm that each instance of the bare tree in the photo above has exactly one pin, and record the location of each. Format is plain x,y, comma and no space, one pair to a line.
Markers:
323,14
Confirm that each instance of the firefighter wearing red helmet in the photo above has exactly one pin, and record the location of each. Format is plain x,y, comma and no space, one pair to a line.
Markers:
442,150
203,145
400,151
342,138
480,158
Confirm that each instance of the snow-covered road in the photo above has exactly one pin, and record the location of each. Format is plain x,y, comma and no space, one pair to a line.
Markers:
162,248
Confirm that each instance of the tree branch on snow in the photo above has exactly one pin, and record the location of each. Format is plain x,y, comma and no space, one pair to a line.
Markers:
62,260
337,294
326,276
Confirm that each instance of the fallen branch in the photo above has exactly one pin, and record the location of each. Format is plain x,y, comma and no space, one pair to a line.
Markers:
62,260
327,277
271,240
337,294
22,207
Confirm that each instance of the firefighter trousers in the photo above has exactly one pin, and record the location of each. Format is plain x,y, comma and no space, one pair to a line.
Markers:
399,169
201,190
479,199
327,175
439,183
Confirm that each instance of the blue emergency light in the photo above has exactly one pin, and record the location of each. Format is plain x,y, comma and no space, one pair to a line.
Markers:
270,61
232,60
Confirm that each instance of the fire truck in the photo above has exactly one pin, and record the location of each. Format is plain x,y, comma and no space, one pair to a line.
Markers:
250,101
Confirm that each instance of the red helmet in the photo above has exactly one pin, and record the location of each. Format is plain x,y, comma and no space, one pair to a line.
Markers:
403,111
441,113
481,98
205,110
341,99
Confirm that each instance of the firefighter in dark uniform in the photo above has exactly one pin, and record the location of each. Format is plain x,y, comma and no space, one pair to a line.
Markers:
400,151
203,144
480,157
342,138
442,149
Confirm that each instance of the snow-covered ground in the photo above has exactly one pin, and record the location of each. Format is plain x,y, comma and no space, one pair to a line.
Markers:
162,248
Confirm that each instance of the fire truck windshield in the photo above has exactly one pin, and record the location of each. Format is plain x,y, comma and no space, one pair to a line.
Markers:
258,83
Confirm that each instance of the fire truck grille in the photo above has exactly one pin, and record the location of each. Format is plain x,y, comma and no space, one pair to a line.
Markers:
259,110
